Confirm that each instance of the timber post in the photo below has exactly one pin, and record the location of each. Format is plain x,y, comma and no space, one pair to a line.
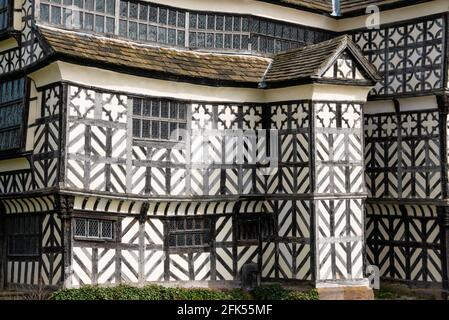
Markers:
64,208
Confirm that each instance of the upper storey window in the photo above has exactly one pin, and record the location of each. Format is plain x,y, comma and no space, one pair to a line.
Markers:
145,21
92,15
218,31
5,18
12,114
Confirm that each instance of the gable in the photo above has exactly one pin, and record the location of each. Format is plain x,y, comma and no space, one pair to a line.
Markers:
344,67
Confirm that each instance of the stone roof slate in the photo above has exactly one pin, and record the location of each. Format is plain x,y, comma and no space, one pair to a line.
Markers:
299,65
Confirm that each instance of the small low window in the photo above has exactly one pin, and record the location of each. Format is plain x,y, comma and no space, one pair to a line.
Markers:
23,235
253,227
93,229
189,232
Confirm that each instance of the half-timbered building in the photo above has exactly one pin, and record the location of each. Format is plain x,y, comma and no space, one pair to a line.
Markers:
193,142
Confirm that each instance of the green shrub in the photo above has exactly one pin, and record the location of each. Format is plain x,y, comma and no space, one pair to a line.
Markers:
303,295
239,294
156,292
270,292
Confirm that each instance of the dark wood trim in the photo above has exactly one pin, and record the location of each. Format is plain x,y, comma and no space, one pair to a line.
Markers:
3,248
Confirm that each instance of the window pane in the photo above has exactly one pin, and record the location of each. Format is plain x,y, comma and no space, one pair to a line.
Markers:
152,33
181,19
189,224
133,30
143,12
164,109
93,228
146,108
110,7
153,14
155,129
228,23
110,25
172,18
80,228
155,108
219,23
106,229
182,111
89,21
181,38
163,16
123,28
45,12
201,21
142,31
173,110
99,6
56,15
164,130
89,5
211,22
99,24
172,36
180,240
133,10
136,128
146,129
124,9
192,22
162,35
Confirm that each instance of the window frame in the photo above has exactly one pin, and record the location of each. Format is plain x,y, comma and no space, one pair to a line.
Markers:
23,127
262,222
9,9
206,232
141,118
87,237
83,12
11,237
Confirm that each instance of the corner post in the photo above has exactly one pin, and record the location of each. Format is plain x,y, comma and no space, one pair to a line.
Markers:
64,208
443,211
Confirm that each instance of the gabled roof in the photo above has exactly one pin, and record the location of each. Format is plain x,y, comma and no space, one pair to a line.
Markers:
299,66
348,7
312,61
155,62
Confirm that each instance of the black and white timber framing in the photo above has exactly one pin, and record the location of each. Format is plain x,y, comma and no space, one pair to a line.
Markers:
355,183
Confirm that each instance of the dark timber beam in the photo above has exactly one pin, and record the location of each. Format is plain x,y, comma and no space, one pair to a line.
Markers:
2,246
443,211
64,208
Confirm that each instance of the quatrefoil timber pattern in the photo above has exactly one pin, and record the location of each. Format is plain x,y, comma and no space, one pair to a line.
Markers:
409,56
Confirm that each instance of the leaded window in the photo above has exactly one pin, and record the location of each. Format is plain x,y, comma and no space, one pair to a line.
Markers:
91,15
23,235
189,232
254,227
12,104
159,119
218,31
271,36
144,22
5,17
93,229
149,22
